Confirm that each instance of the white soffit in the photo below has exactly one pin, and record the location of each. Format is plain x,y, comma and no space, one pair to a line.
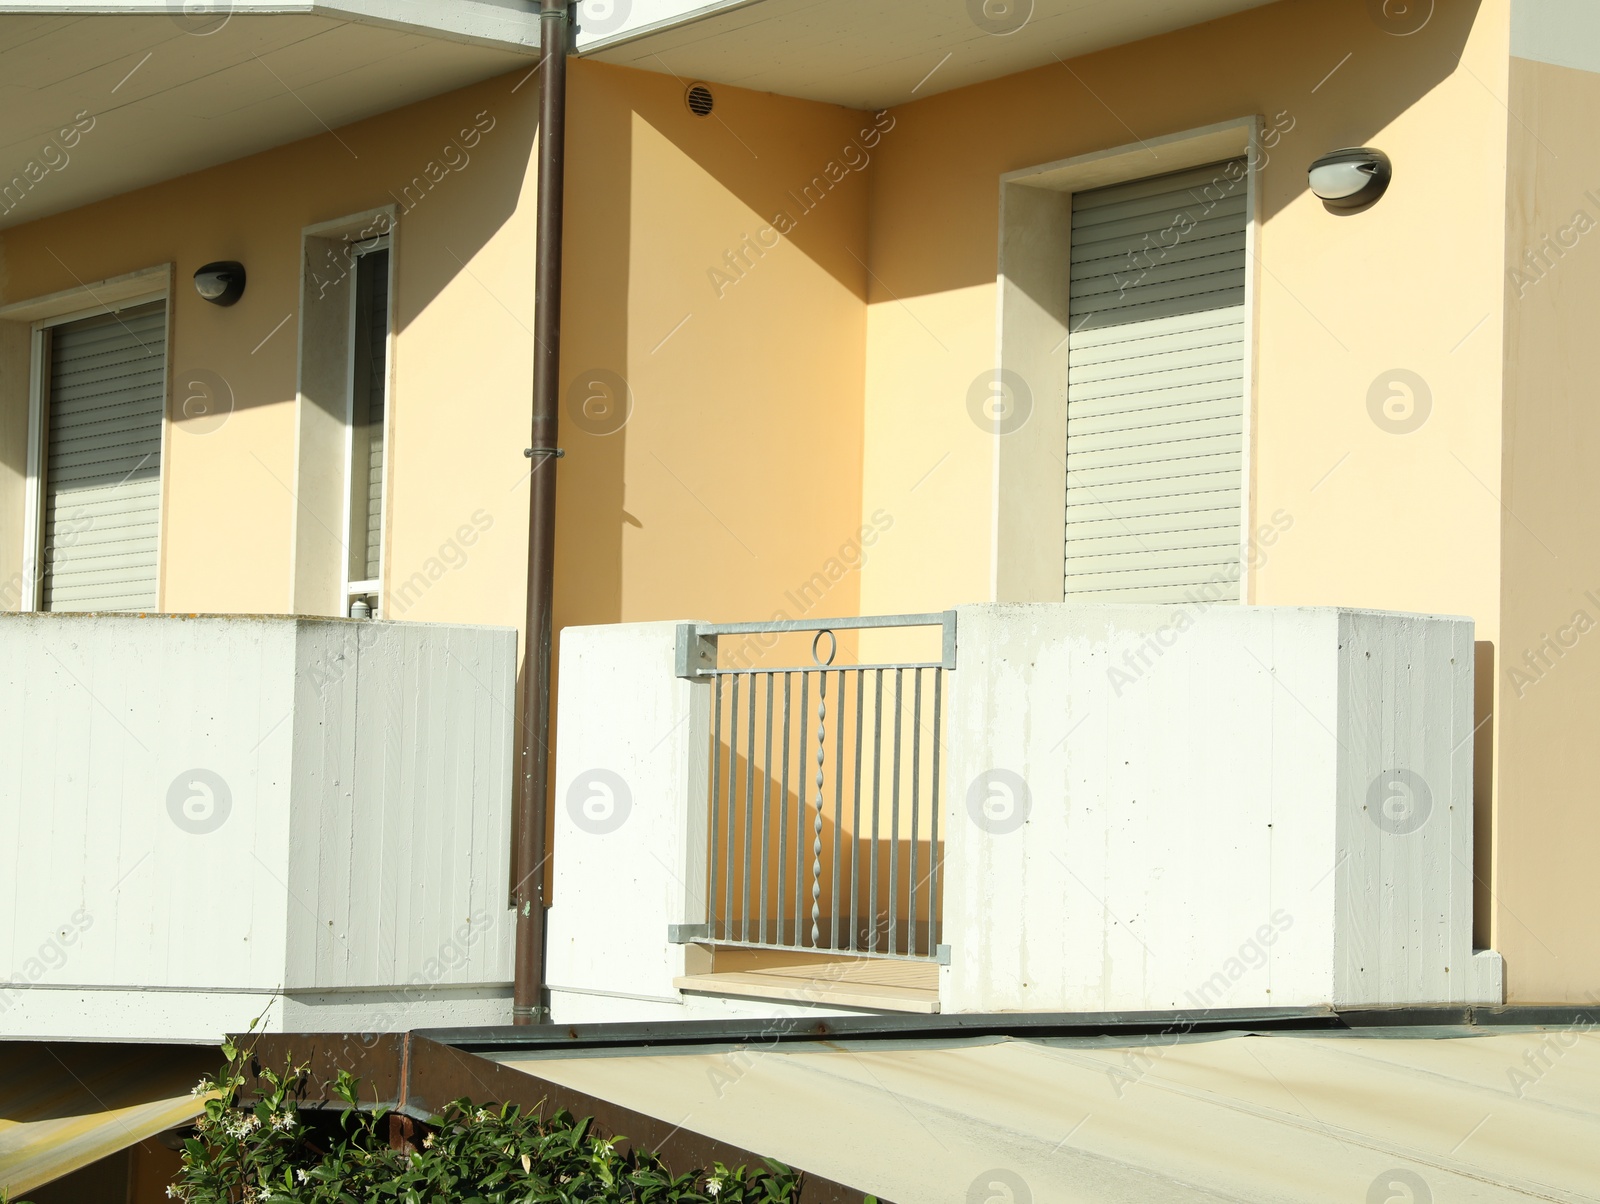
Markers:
150,90
1565,33
870,55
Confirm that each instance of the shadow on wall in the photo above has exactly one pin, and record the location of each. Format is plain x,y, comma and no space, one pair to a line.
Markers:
454,168
667,213
1327,74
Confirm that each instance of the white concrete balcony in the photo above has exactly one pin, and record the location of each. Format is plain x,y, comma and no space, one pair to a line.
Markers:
1136,809
209,821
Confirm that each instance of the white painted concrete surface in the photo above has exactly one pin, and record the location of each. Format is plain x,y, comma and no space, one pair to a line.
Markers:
629,858
1171,808
208,820
1148,808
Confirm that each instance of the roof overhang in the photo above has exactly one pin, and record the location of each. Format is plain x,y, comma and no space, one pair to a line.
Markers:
132,93
871,55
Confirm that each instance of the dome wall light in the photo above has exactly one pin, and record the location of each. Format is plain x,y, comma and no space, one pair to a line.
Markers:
1352,178
221,283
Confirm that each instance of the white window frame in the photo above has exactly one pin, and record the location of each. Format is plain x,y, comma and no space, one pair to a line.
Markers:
1028,557
108,296
351,590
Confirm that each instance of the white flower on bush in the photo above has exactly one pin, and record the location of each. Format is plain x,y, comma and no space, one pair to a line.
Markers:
713,1187
242,1127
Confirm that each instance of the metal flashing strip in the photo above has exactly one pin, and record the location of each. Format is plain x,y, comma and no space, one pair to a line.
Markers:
1462,1017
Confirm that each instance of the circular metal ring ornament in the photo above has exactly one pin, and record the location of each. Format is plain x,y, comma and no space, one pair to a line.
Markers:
833,649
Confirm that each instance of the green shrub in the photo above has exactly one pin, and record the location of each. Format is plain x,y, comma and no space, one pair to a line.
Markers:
274,1154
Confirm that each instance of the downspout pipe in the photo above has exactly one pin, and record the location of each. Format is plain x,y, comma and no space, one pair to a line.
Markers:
529,990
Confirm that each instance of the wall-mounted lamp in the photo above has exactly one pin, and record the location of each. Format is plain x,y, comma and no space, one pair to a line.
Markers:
1352,178
221,283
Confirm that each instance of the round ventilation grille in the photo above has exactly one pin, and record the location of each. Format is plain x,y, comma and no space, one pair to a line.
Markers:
700,100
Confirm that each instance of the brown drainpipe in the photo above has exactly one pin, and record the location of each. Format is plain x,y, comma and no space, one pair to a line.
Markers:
528,993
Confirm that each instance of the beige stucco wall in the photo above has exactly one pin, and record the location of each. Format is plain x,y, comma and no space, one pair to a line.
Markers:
1378,519
1548,659
737,477
229,491
15,349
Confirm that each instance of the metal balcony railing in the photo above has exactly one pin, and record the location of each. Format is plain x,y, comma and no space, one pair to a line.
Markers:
824,800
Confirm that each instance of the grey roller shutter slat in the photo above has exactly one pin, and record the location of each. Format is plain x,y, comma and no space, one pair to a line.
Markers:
1153,524
107,383
64,418
371,381
1087,266
102,481
1112,421
1172,493
1156,384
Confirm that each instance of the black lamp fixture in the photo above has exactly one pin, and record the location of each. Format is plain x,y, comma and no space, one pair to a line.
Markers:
221,283
1352,178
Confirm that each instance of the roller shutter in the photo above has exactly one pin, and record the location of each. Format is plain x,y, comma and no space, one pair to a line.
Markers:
102,480
368,403
1156,388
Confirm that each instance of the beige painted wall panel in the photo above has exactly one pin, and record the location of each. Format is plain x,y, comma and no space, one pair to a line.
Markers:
1408,522
929,466
15,351
736,479
229,486
463,367
1548,666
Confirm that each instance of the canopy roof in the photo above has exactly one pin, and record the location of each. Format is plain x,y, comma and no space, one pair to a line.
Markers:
1414,1115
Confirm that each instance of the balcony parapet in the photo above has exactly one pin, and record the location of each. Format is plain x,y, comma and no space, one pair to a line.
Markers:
208,821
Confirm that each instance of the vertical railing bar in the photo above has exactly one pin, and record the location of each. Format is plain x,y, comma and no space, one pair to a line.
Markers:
894,809
877,790
716,791
868,910
733,803
800,808
783,810
855,826
916,800
934,857
821,802
766,808
749,805
838,809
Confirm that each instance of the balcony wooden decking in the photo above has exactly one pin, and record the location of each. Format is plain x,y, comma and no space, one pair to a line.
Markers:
882,984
